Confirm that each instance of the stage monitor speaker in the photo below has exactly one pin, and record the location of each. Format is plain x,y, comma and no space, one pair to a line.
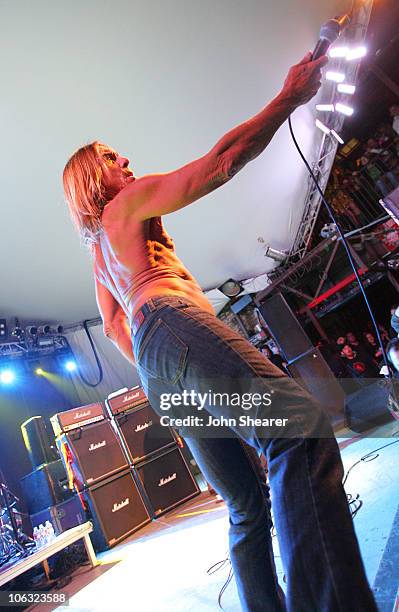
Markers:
368,407
167,481
37,441
95,451
142,432
316,376
45,486
284,327
63,516
116,508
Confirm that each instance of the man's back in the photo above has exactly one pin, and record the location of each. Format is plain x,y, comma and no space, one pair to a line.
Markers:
141,261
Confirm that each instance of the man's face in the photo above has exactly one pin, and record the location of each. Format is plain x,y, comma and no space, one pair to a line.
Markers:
347,352
341,341
351,337
394,110
394,357
370,338
116,171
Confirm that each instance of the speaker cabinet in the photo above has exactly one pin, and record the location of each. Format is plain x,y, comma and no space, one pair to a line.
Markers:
284,327
45,486
116,508
368,407
95,451
315,375
305,362
167,481
62,516
142,433
37,441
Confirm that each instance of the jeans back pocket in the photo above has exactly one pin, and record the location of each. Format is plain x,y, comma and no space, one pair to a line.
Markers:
162,354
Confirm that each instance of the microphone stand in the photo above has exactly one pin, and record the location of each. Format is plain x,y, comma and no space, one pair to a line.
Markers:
18,544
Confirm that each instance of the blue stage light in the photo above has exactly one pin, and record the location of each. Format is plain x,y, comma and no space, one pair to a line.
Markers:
7,377
70,366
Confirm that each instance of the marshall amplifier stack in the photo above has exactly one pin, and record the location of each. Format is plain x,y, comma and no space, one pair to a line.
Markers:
99,469
152,451
127,467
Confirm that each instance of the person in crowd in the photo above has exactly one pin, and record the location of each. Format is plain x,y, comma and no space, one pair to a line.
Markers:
394,112
357,366
395,319
275,358
392,350
372,347
341,341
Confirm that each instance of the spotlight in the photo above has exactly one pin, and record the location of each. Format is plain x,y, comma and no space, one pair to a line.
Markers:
7,377
338,51
338,77
337,136
325,107
18,332
3,328
356,53
346,89
322,127
44,329
275,254
59,329
39,371
31,330
70,366
231,288
345,110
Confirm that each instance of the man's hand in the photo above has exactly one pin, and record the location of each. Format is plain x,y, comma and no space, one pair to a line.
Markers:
303,80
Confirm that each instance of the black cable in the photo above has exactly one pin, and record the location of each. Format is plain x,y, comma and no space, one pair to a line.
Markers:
100,369
347,249
369,457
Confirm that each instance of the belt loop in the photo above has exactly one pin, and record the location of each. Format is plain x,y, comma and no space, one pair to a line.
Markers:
151,305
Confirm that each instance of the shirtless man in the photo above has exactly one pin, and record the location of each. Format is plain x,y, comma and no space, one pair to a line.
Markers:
156,314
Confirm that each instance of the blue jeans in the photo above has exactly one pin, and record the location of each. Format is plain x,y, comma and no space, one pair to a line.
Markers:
177,347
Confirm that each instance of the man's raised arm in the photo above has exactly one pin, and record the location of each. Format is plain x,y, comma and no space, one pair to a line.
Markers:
159,194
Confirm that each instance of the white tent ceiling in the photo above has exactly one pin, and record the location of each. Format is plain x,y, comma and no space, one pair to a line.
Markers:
162,82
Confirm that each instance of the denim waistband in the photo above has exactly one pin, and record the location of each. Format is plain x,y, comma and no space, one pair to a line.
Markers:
153,304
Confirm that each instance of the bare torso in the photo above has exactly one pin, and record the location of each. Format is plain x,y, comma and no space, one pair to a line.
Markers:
136,260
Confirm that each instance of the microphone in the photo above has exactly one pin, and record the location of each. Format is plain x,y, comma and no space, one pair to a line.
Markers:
329,33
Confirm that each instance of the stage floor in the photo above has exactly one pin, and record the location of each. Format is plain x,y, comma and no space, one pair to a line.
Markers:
163,568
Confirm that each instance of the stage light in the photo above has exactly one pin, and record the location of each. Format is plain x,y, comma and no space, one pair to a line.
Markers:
337,136
39,371
356,53
70,366
7,377
338,51
18,332
325,107
32,330
276,254
338,77
3,328
346,89
231,288
322,127
44,329
345,110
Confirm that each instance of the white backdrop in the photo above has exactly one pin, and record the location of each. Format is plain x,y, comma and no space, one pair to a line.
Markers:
162,82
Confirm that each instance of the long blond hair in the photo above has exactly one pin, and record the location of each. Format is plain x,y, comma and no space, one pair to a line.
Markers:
84,192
